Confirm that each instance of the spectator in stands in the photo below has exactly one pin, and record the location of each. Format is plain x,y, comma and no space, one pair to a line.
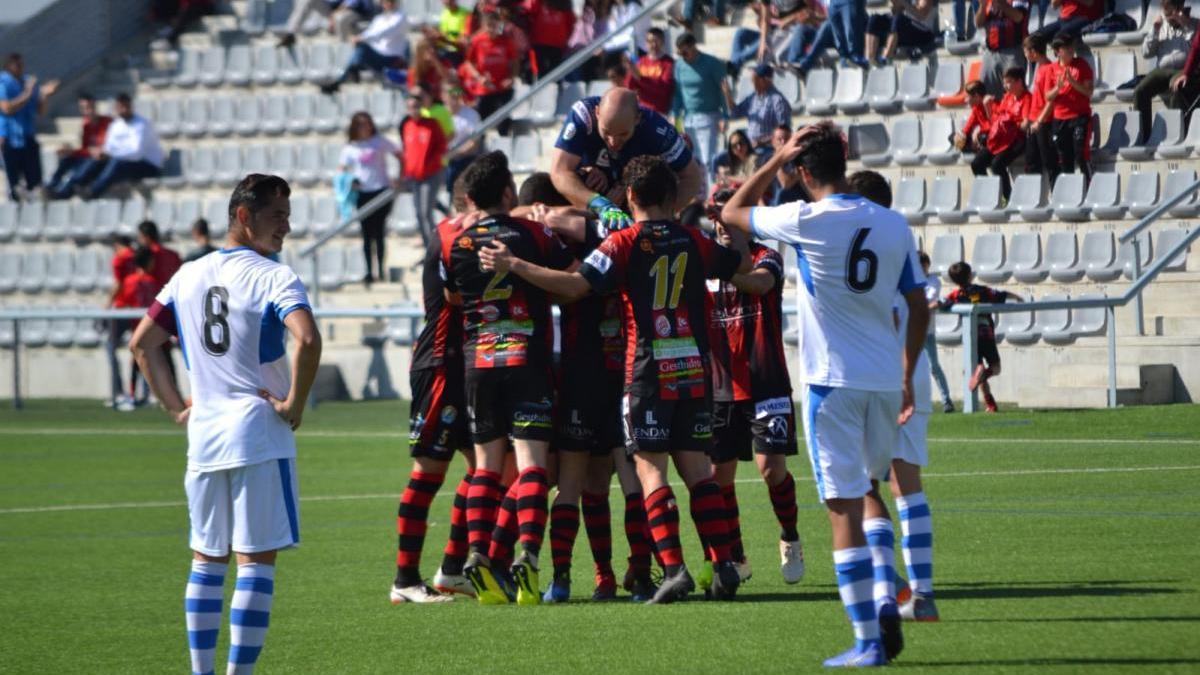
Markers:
989,356
1070,106
551,23
122,263
131,152
1073,17
137,289
764,109
787,186
166,261
1001,140
632,40
424,144
1167,45
178,14
701,92
911,25
491,67
344,17
203,242
22,101
844,29
384,44
92,137
1041,156
466,122
450,35
652,76
617,73
433,108
426,68
365,157
975,129
591,26
713,11
964,24
1004,24
790,27
736,164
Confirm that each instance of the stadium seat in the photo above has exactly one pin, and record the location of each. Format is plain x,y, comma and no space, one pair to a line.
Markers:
278,12
328,117
947,80
30,220
266,65
818,92
107,218
195,117
1183,149
222,116
1089,321
910,199
254,19
526,146
187,210
133,211
1124,70
162,212
249,114
402,220
568,94
325,215
1122,133
1025,258
1142,196
303,266
60,271
331,157
869,144
83,219
8,220
964,47
238,67
789,85
1017,328
598,87
34,267
212,67
301,111
1054,325
400,330
988,258
275,115
229,166
1103,200
319,66
356,265
1067,197
1167,129
906,141
256,159
1125,255
1026,198
89,267
1099,256
291,68
947,250
937,140
947,328
914,87
958,98
352,101
188,72
1167,240
308,164
10,271
172,177
1100,87
984,198
282,161
35,332
61,333
1177,182
168,118
200,166
216,212
300,216
58,221
382,107
945,197
882,90
1062,257
332,267
86,334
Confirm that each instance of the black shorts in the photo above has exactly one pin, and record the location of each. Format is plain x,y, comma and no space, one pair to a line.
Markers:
654,425
989,354
587,417
770,424
515,401
437,421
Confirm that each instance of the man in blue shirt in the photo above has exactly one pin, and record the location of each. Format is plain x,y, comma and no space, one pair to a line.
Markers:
701,90
765,110
600,136
21,102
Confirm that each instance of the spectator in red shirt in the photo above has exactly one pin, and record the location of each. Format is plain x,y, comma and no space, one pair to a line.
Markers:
136,289
1040,154
974,132
1005,141
1069,104
492,64
166,261
551,23
122,263
653,76
424,144
1073,17
92,137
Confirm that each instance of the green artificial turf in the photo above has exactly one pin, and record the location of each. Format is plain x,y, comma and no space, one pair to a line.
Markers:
1064,542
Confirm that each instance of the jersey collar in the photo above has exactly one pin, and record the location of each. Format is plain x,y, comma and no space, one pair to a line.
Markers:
235,249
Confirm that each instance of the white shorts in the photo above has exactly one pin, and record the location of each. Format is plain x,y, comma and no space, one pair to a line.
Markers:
249,509
851,435
914,442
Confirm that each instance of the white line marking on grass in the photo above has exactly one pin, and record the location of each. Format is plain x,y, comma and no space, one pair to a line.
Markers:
393,495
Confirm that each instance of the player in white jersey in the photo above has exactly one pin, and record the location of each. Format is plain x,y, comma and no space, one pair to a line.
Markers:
853,257
230,311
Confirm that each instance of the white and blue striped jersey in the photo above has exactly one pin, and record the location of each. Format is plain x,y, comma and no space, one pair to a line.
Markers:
853,257
228,309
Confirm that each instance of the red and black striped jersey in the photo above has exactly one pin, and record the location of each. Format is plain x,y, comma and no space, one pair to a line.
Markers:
977,294
593,337
660,267
441,338
748,362
506,320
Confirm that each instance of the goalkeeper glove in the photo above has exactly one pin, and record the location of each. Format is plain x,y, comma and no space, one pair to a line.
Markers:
611,217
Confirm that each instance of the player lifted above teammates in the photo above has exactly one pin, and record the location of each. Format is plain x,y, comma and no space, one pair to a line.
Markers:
659,267
231,309
854,256
601,135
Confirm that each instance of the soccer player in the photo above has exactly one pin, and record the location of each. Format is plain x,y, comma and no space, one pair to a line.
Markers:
600,136
231,311
989,354
659,267
506,347
752,394
853,257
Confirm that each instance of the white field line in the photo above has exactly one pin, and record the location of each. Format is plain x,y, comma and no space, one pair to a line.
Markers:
442,493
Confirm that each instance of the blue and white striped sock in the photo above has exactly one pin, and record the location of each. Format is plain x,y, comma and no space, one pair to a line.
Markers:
202,604
855,579
249,615
917,542
882,541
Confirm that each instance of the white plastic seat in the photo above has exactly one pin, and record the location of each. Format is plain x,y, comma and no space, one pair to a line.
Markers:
402,220
162,212
331,158
1025,258
1017,328
1131,8
133,211
818,92
187,210
238,67
34,267
1178,181
945,196
947,250
61,333
1026,198
1142,196
1167,128
301,111
526,147
216,212
1121,69
275,115
1125,254
937,140
200,166
266,65
985,197
1089,321
1055,324
168,118
325,215
401,330
10,271
568,94
107,218
914,87
291,66
869,144
849,92
60,270
1165,242
1103,200
212,67
308,164
947,328
906,141
356,265
988,258
332,268
1183,149
882,90
35,332
319,66
89,267
300,215
229,166
30,221
58,221
256,159
543,103
195,117
1122,134
83,219
249,114
222,116
1099,256
382,106
1067,196
282,161
328,116
909,199
188,73
1062,257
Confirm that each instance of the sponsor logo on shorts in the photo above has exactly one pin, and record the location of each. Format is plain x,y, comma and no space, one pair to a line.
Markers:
702,426
598,260
773,406
651,434
449,414
415,428
777,429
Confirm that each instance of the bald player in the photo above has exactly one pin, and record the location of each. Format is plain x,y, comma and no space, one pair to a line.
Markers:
600,136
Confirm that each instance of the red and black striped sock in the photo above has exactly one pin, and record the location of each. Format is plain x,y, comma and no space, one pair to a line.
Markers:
411,522
500,552
783,500
708,509
483,498
663,517
637,531
598,520
692,507
533,487
455,553
564,527
733,517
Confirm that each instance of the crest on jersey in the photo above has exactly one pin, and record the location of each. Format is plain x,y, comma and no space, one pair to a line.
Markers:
681,323
662,325
467,243
489,313
647,247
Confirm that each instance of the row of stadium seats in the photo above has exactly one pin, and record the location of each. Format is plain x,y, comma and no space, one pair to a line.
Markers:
299,113
1056,327
64,269
61,333
263,65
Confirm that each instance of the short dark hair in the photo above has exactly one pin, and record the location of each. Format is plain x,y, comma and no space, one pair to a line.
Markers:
1015,73
658,32
539,188
122,239
149,230
486,179
124,98
255,191
685,40
975,88
200,227
784,127
872,185
85,96
143,257
924,258
1175,4
1062,40
458,196
1035,42
824,154
960,273
13,57
651,180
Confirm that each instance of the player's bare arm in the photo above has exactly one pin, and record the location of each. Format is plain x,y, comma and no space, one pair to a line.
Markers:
568,284
146,345
564,175
305,359
914,343
691,180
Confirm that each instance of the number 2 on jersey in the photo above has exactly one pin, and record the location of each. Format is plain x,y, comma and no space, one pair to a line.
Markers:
494,291
665,274
216,328
862,265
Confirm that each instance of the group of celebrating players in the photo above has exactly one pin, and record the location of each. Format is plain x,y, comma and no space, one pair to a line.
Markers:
671,348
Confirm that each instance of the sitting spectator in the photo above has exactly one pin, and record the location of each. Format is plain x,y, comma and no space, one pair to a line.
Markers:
764,109
1001,121
92,138
203,242
22,101
844,29
426,68
131,151
450,36
989,355
1167,45
1041,156
974,132
701,93
790,27
466,122
365,157
424,144
652,76
713,11
136,290
491,67
384,44
344,17
551,23
1005,24
736,164
911,25
1070,103
1073,17
591,26
178,14
166,261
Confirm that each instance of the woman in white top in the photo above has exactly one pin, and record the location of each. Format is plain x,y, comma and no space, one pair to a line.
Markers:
365,157
632,40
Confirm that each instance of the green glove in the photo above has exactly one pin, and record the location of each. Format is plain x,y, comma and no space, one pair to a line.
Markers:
611,217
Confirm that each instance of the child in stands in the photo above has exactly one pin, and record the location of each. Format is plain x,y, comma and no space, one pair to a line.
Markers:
1069,104
1040,154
